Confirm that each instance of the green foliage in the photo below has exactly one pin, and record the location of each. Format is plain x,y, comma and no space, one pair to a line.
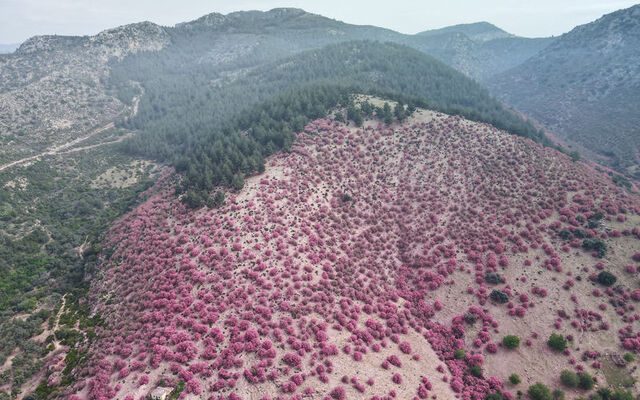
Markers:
595,245
499,296
74,358
539,391
621,181
355,114
177,391
386,114
399,112
565,234
211,132
557,342
511,341
629,357
493,278
494,396
558,394
514,379
617,394
459,354
569,378
575,156
606,278
43,391
476,371
585,381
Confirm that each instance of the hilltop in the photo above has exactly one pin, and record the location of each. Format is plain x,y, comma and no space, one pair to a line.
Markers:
386,261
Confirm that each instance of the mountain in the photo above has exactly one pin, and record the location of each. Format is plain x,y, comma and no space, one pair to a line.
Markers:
382,261
479,31
584,86
292,199
479,50
52,87
180,116
75,68
8,48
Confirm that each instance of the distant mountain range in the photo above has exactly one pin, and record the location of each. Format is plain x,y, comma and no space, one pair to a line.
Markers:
585,86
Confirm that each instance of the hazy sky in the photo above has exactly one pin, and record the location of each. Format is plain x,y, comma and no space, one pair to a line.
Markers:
21,19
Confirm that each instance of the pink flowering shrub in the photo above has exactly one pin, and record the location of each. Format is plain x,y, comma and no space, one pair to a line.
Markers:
290,281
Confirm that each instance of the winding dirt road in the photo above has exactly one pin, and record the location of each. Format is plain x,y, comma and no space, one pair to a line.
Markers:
57,149
63,148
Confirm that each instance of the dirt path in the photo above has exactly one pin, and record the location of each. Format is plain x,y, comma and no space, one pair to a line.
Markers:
58,149
93,146
56,325
65,148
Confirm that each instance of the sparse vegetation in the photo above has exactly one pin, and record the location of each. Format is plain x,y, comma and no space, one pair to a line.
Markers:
606,278
569,378
557,342
511,341
539,391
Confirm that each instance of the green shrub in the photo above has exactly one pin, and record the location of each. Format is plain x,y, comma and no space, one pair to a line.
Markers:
585,381
476,371
460,354
493,278
558,394
596,245
499,296
557,342
511,341
620,394
569,378
514,379
629,357
494,396
539,391
606,278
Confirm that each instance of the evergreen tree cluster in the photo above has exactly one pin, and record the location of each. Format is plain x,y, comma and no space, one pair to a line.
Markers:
217,126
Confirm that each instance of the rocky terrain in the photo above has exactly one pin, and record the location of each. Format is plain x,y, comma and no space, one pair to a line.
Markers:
52,89
377,262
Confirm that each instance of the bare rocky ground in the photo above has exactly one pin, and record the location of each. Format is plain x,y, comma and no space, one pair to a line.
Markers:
52,89
356,266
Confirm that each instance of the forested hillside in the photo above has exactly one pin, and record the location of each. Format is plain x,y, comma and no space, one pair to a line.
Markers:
585,88
199,121
480,50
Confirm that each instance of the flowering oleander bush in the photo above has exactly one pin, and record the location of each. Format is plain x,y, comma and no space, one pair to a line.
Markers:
288,288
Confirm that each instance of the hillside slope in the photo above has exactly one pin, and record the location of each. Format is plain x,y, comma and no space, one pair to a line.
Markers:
358,263
585,86
52,87
187,119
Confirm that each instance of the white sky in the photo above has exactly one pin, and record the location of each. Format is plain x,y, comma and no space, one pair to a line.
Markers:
21,19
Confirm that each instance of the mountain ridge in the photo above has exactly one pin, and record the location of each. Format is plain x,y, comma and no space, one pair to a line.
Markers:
481,31
476,49
573,85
